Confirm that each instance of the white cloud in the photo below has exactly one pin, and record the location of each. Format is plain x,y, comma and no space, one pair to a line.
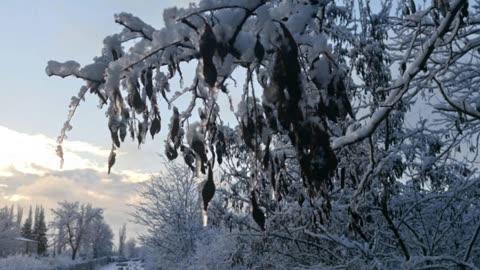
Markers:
15,197
30,174
35,154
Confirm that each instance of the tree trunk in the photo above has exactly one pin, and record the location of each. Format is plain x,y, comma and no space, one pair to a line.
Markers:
74,253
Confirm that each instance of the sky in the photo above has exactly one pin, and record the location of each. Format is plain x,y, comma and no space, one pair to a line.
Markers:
34,108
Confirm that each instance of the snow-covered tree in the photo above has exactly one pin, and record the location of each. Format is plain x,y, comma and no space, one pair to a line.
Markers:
169,211
131,248
40,231
74,220
98,241
27,226
59,240
122,237
9,230
19,215
356,133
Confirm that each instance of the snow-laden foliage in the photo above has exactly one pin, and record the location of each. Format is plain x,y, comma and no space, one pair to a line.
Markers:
356,141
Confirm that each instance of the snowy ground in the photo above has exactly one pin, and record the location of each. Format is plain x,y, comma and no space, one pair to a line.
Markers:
129,265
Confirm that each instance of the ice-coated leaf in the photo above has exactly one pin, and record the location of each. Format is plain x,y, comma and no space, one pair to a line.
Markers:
111,159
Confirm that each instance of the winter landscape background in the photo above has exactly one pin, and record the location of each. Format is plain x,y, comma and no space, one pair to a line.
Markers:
249,134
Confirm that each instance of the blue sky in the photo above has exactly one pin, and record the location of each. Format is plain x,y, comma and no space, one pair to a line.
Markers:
34,107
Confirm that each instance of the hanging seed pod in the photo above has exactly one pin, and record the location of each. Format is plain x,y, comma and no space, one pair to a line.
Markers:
115,138
464,10
209,73
208,43
174,124
148,83
208,188
115,55
155,127
170,152
59,152
212,160
266,156
199,148
111,159
273,93
123,132
301,200
343,99
257,213
259,50
220,147
135,101
113,126
272,175
413,7
178,139
118,100
222,49
171,67
219,152
248,133
188,157
131,129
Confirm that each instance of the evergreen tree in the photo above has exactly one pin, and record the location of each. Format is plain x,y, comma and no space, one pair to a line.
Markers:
12,215
35,220
40,231
122,236
27,226
19,215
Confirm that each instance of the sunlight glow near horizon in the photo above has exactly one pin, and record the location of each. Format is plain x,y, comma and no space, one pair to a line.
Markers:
34,108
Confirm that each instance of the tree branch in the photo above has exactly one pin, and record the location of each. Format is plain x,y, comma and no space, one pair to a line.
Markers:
401,85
